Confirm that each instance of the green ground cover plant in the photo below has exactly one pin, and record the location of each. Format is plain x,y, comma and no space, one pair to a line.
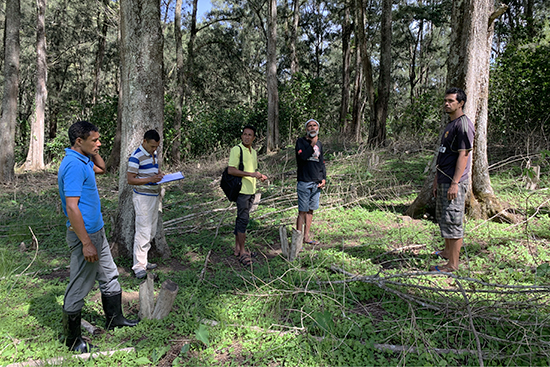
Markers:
363,296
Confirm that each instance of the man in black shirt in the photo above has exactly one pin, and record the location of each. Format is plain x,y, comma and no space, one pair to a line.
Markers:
451,180
311,177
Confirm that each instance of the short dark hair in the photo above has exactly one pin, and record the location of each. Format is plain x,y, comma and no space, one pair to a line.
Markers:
253,128
81,129
152,135
460,94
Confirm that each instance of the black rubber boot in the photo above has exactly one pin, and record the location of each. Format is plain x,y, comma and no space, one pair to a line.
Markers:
73,333
113,312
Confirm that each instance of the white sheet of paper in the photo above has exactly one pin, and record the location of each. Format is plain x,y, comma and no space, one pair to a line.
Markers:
171,177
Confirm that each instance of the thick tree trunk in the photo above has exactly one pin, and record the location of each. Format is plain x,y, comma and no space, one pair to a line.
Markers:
142,102
272,84
35,156
377,131
8,117
346,61
468,69
175,150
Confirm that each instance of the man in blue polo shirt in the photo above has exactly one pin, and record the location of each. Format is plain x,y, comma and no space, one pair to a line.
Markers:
91,257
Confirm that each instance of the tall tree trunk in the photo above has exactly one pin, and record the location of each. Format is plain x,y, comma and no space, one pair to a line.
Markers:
113,163
294,67
360,7
35,156
8,117
104,27
175,150
272,87
346,71
468,69
142,101
358,100
377,131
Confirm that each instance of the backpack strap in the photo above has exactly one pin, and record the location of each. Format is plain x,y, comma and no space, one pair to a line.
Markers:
241,163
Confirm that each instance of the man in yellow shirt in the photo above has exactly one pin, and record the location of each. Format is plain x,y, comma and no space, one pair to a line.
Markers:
248,189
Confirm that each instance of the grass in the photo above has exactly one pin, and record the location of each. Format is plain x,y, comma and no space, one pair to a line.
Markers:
362,297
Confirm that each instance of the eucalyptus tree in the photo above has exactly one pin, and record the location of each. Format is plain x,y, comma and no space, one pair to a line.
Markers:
346,70
141,52
468,68
272,82
8,115
35,155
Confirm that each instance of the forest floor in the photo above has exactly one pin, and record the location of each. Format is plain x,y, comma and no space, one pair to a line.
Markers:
362,296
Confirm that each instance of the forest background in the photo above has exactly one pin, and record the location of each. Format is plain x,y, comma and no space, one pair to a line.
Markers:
216,78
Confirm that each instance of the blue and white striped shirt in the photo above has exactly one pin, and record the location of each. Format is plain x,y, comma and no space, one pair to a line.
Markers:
144,165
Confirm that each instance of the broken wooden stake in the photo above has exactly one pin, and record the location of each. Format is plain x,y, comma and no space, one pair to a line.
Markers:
165,300
146,298
291,251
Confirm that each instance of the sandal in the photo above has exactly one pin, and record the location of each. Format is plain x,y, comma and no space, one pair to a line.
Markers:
245,260
439,253
442,269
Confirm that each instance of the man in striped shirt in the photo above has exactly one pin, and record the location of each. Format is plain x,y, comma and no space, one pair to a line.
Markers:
143,173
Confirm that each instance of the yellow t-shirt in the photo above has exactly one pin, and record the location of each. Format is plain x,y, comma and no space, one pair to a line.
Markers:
250,162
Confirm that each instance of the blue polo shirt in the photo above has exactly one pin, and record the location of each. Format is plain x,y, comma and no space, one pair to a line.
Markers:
76,178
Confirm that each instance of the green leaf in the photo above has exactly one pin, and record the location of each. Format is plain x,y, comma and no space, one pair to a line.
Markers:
185,349
143,360
202,334
324,320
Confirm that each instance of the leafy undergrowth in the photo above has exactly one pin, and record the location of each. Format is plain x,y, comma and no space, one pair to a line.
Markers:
362,296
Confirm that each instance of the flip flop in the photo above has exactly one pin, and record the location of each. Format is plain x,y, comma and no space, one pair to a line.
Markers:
442,269
438,253
245,260
311,242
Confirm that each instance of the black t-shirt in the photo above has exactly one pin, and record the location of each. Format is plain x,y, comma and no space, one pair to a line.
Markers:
458,135
310,160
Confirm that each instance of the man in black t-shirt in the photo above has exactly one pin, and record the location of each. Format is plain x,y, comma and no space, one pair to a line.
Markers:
451,180
311,177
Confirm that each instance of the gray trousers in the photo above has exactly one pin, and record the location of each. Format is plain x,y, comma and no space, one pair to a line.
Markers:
84,273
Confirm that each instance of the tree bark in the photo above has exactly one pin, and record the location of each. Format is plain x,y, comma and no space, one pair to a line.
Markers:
294,66
360,7
468,69
377,131
358,100
113,163
272,84
35,155
175,150
142,102
100,51
8,117
346,61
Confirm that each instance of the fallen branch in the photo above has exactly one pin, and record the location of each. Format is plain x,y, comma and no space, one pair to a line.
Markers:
61,360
